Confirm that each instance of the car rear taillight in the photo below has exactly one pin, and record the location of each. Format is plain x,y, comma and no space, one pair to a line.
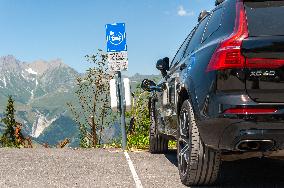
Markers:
228,53
244,111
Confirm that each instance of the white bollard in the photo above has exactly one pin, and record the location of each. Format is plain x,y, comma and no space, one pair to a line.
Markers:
127,93
113,95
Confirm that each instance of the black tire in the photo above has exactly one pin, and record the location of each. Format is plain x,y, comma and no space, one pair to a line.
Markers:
197,164
158,144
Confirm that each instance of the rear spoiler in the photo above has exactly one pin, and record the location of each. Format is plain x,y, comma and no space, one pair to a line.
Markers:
271,3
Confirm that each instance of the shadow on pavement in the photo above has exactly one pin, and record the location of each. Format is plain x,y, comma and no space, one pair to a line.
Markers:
254,172
171,155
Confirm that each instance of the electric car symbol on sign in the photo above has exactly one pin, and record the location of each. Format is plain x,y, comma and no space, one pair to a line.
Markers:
222,96
114,38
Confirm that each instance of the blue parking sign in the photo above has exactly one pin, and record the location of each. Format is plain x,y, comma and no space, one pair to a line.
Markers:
116,37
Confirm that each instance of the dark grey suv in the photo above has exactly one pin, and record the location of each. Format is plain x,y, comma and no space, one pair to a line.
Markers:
222,96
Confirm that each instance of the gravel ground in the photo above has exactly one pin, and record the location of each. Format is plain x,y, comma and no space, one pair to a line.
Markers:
63,168
157,170
109,168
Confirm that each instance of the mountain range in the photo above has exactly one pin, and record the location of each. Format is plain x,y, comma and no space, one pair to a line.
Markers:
41,90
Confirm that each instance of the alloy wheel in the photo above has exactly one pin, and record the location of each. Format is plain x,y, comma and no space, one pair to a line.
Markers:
183,142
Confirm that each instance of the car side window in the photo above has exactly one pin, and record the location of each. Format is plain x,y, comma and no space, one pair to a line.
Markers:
214,23
197,37
180,54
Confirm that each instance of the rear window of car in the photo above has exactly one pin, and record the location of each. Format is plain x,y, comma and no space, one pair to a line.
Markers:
213,23
265,18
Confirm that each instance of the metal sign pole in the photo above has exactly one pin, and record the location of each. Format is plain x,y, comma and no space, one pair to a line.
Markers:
122,110
118,61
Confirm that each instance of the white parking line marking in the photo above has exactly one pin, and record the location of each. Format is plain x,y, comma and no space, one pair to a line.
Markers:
132,169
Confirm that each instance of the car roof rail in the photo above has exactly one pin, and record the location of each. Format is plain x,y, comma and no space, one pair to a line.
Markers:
218,2
202,15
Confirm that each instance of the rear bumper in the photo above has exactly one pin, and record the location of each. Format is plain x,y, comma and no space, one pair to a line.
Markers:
225,133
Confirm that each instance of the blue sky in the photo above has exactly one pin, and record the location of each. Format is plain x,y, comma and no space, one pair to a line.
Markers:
70,29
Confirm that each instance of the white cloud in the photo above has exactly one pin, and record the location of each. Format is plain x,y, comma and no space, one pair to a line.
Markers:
183,12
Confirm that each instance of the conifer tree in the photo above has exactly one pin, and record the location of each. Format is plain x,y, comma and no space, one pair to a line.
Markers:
8,138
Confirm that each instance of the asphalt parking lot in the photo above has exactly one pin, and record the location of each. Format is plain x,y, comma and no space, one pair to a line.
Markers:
110,168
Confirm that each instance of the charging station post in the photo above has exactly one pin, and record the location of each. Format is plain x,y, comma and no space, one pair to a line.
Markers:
118,61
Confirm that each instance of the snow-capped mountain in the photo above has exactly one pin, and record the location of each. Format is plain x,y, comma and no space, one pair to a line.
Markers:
41,90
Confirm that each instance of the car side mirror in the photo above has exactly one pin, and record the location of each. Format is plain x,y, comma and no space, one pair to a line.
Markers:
163,65
149,85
